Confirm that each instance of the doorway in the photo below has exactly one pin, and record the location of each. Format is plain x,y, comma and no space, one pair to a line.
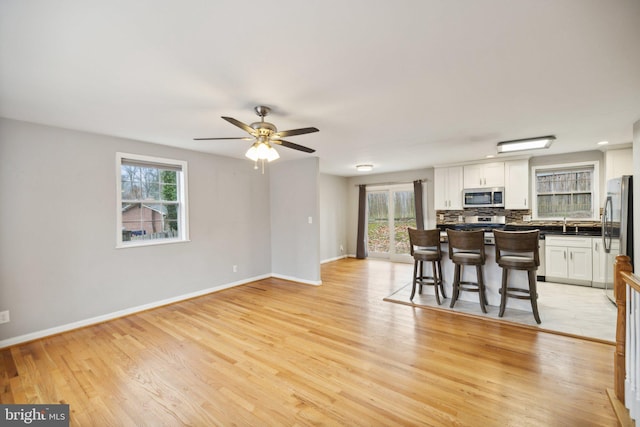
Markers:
390,210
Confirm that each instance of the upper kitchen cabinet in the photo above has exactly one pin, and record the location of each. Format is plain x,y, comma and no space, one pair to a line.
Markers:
484,175
516,185
448,188
618,163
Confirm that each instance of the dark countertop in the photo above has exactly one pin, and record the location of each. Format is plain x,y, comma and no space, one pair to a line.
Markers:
545,230
556,230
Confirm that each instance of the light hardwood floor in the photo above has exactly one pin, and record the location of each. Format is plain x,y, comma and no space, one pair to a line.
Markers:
280,353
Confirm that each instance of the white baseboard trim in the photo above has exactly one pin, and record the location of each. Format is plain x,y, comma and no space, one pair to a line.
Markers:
295,279
333,259
121,313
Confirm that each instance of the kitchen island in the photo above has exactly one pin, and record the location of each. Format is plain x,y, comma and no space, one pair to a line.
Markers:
492,281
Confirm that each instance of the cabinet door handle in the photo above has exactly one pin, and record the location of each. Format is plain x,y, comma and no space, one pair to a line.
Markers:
596,246
525,201
565,254
571,256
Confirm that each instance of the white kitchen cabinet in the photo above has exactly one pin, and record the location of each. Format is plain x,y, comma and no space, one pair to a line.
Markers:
599,263
618,163
448,188
569,259
516,184
484,175
603,262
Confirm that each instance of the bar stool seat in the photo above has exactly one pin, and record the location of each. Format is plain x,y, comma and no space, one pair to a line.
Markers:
467,248
518,250
425,247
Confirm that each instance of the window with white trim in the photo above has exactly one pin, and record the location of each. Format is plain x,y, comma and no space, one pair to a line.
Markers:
151,205
566,191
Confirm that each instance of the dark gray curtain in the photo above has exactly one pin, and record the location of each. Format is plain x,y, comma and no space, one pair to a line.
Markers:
417,190
361,244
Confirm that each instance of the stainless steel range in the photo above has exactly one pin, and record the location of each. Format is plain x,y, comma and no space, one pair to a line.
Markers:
486,223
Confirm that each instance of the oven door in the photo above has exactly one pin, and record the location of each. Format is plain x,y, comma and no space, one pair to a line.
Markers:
478,198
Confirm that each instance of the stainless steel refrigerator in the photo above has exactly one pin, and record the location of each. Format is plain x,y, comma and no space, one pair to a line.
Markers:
617,225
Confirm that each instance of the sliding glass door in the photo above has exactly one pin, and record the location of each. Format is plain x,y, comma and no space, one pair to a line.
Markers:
390,210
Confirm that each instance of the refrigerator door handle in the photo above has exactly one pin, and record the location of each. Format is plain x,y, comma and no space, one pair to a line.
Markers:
607,225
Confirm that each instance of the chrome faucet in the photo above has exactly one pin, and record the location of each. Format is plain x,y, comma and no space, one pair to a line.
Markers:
564,225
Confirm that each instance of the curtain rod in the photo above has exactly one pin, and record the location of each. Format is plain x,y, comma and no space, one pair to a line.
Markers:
391,182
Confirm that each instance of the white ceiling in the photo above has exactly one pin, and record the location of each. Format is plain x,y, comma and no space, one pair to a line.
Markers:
400,84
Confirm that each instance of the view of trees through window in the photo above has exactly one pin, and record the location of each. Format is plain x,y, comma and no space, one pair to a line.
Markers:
388,222
149,202
566,192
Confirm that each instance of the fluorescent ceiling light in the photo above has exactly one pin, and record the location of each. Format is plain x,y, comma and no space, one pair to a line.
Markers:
364,168
525,144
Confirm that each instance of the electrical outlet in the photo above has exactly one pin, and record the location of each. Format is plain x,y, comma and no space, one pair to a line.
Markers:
235,268
441,217
310,219
4,316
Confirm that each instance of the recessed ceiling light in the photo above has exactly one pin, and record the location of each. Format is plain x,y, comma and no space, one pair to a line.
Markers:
603,142
490,156
364,168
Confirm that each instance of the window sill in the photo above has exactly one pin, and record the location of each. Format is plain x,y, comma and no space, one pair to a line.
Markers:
151,243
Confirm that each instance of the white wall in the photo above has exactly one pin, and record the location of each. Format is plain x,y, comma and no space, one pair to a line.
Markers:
397,177
295,243
58,261
333,217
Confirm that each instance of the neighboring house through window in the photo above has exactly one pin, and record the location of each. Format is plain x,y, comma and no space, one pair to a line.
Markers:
151,204
566,191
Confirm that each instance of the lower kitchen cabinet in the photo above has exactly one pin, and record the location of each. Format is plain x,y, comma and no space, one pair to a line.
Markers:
599,263
603,262
569,260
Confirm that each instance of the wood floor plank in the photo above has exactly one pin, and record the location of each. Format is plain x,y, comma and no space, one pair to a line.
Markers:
275,352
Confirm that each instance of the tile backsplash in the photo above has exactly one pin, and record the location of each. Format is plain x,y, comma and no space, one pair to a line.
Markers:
513,216
452,217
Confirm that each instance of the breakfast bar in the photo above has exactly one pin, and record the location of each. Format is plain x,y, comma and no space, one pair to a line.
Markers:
492,281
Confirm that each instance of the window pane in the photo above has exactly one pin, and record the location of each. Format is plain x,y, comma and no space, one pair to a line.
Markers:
565,193
404,213
151,191
169,192
151,208
378,222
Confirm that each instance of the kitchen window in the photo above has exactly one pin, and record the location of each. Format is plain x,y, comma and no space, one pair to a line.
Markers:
151,205
566,191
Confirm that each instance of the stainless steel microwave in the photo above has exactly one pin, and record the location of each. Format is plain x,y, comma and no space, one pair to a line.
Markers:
483,197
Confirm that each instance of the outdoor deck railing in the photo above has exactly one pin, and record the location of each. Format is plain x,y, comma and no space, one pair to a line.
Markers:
627,353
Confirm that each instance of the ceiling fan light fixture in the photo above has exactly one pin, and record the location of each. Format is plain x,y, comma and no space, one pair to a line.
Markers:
364,168
525,144
252,153
262,151
272,154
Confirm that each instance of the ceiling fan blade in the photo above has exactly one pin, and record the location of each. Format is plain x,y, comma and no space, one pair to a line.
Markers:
292,145
245,138
293,132
241,125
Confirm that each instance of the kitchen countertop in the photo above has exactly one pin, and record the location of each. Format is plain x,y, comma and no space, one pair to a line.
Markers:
582,230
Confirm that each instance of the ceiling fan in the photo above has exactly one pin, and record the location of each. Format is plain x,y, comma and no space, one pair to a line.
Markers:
265,135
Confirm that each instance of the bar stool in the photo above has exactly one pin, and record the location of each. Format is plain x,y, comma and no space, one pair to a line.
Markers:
467,248
425,246
518,250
